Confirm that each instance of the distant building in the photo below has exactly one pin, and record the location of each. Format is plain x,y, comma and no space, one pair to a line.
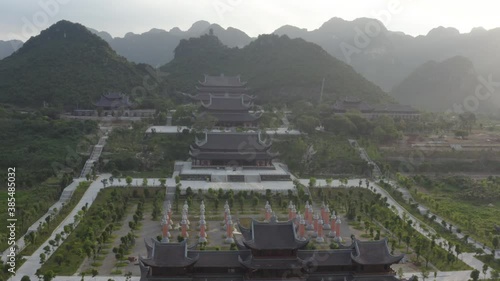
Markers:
232,149
113,101
373,111
269,251
114,104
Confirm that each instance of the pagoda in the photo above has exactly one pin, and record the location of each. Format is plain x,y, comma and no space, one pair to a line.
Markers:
270,251
232,149
220,86
229,111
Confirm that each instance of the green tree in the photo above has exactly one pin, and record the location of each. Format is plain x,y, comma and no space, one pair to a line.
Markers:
495,275
59,259
340,125
48,276
255,202
485,270
312,182
329,181
163,181
474,275
307,124
128,180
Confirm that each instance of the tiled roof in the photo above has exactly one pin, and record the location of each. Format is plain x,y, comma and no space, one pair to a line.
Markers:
168,255
222,81
114,100
232,142
327,258
232,116
227,102
394,108
248,155
216,258
373,252
269,263
273,235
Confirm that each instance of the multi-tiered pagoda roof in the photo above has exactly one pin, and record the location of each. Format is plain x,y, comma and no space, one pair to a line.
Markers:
232,149
221,85
230,111
271,251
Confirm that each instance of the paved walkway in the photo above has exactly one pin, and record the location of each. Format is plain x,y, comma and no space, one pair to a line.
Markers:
418,225
96,153
179,129
423,209
32,263
65,197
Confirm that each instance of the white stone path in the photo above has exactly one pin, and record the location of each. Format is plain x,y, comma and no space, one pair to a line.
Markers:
65,197
418,225
32,263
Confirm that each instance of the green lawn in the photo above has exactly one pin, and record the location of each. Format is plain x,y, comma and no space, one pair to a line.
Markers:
45,233
473,217
108,208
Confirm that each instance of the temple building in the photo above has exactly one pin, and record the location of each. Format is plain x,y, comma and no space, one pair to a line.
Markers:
229,111
373,111
115,104
269,251
225,99
220,86
113,101
230,157
232,149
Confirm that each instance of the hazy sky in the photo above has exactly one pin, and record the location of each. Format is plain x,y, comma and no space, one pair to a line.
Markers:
20,19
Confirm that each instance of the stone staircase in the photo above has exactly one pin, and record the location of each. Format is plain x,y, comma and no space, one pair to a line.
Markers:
376,172
252,178
94,156
218,178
